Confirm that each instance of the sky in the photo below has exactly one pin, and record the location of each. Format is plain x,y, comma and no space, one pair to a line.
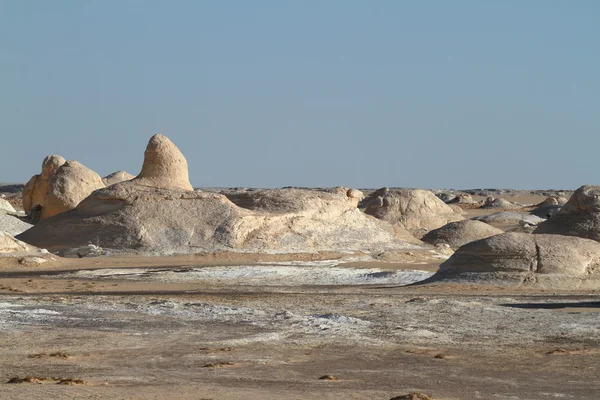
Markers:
432,94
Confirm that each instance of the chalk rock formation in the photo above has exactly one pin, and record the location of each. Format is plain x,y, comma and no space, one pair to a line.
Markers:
459,233
71,183
519,258
34,193
580,216
463,198
414,209
499,204
165,221
164,166
116,177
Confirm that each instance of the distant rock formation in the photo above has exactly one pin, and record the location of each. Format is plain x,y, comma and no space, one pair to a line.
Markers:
459,233
116,177
499,204
463,198
164,165
414,209
159,213
71,183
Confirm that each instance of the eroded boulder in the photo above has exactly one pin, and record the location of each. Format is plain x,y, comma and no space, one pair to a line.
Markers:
34,193
70,184
520,258
459,233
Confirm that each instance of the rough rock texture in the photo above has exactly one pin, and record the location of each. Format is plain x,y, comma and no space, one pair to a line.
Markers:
12,225
164,165
580,216
5,206
459,233
414,209
158,220
34,192
524,259
116,177
71,183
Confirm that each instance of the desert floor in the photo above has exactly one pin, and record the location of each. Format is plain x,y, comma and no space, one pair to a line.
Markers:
240,326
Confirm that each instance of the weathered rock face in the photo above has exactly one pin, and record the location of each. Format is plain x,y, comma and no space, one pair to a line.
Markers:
164,165
521,258
71,183
149,219
459,233
414,209
116,177
34,193
580,216
28,193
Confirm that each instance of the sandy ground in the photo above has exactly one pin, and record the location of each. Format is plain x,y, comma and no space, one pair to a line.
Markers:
258,327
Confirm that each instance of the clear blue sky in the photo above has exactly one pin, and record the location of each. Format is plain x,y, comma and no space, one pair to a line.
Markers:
364,93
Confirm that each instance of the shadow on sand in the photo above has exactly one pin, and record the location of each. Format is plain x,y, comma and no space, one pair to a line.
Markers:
553,306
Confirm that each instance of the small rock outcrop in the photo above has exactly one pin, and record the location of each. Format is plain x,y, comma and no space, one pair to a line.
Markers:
34,193
164,166
71,183
414,209
580,216
463,198
524,259
499,204
459,233
116,177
